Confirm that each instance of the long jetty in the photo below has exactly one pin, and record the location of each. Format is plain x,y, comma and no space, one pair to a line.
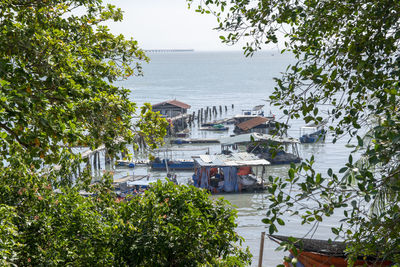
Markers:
168,50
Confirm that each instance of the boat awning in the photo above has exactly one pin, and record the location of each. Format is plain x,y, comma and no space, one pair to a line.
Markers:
258,107
257,137
250,124
232,160
314,125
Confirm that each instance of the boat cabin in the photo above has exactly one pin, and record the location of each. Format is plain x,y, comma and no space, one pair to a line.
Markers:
165,159
275,149
232,173
171,108
312,132
255,111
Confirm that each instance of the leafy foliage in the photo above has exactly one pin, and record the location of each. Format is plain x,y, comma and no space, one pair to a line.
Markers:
179,226
57,70
347,58
8,235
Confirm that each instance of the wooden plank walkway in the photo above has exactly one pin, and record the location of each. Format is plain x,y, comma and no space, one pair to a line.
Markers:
195,141
130,178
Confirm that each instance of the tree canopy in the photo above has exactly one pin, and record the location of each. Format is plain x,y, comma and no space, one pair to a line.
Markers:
348,59
58,65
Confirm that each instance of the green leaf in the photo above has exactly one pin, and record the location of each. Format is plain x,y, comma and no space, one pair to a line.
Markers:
335,231
280,221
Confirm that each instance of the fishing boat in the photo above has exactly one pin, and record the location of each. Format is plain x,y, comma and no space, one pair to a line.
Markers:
125,163
324,253
312,133
131,164
233,173
131,185
180,141
167,161
275,149
215,127
257,111
183,134
212,123
180,164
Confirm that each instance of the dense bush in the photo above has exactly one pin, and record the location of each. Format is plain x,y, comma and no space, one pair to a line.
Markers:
57,69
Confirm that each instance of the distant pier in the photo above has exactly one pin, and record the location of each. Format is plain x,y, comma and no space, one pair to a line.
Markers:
168,50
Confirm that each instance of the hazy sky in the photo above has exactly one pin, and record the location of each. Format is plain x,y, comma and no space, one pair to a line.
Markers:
168,24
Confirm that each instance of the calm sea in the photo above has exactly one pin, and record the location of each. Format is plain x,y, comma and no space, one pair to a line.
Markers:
203,79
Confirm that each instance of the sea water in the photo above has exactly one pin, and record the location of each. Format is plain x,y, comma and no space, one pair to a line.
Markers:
206,79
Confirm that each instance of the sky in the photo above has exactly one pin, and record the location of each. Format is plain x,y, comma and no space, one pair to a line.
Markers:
168,24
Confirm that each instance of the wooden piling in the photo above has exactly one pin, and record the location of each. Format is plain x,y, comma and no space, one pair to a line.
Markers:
98,162
106,159
260,258
233,106
220,109
94,164
79,170
226,109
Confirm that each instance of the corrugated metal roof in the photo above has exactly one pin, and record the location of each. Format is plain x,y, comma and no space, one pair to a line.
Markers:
173,102
247,125
257,137
232,160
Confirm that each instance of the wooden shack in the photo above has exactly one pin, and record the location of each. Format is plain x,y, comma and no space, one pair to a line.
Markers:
255,125
171,108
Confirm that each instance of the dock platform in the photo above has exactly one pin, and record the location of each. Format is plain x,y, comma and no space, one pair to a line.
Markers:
194,141
130,178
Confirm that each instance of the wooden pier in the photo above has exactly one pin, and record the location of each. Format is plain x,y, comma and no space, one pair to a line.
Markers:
168,50
130,178
195,141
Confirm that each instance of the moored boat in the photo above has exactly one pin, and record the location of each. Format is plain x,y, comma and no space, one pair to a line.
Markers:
131,164
166,164
324,253
215,127
312,133
275,149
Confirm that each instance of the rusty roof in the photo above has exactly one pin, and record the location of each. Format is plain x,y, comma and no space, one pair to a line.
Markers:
249,124
173,102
